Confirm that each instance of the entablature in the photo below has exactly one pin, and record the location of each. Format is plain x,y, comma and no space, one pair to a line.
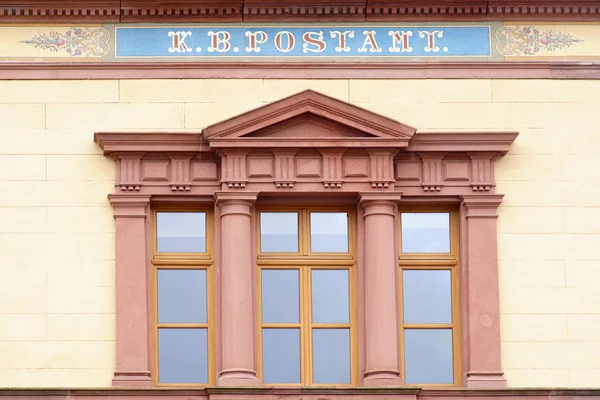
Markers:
307,142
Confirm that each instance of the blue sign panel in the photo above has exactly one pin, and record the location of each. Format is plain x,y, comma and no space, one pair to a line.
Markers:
258,42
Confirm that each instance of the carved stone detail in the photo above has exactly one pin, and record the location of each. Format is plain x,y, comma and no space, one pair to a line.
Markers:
382,168
285,171
113,11
333,172
60,11
482,171
234,172
303,10
544,9
401,9
181,10
180,177
433,179
129,171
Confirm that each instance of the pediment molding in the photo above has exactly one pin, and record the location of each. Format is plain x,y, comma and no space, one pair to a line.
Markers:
316,105
307,142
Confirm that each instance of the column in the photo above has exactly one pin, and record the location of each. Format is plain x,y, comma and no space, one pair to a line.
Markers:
381,305
481,314
131,286
237,266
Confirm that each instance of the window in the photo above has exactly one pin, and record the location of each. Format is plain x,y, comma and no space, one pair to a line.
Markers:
182,261
429,301
306,293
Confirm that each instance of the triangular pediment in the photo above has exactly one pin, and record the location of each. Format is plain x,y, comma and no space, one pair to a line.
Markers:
308,116
308,126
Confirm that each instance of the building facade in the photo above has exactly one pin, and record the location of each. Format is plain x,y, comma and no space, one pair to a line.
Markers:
299,200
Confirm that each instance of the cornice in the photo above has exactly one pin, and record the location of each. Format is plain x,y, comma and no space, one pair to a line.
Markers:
303,70
489,142
113,11
141,142
181,10
60,11
303,10
394,10
549,10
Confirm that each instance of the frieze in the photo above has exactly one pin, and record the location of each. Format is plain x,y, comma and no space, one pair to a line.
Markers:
285,169
75,42
319,41
323,42
529,40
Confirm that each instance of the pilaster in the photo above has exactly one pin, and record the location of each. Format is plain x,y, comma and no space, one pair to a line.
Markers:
132,338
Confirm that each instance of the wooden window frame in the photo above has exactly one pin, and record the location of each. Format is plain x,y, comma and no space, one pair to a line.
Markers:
305,262
180,261
427,262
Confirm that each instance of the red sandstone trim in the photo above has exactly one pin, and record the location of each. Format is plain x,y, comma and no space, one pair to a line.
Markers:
302,70
57,11
316,104
311,154
306,393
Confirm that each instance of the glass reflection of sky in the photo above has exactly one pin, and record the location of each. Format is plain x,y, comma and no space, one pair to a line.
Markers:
331,355
428,356
280,296
427,297
330,297
425,232
281,355
329,232
279,232
182,296
181,232
182,355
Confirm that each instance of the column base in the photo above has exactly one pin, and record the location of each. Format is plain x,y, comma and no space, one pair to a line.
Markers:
238,377
485,380
382,378
133,379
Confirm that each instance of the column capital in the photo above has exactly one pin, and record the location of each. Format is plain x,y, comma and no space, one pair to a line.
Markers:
233,197
367,198
129,205
481,205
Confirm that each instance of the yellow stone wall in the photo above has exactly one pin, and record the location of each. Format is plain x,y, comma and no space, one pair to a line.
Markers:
57,232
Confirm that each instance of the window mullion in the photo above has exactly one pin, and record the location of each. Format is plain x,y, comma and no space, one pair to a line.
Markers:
306,325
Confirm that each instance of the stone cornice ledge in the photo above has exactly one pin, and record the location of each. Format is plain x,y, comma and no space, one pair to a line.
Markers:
281,393
59,11
303,70
150,142
494,142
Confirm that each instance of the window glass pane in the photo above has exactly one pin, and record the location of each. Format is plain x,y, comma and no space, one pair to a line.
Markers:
329,232
331,355
279,232
182,355
330,296
182,295
181,232
425,232
427,297
281,355
280,296
428,356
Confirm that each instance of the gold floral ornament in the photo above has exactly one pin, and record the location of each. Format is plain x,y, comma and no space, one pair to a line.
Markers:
77,42
527,40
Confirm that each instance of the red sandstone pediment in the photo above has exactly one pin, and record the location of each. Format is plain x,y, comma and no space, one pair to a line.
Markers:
309,119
